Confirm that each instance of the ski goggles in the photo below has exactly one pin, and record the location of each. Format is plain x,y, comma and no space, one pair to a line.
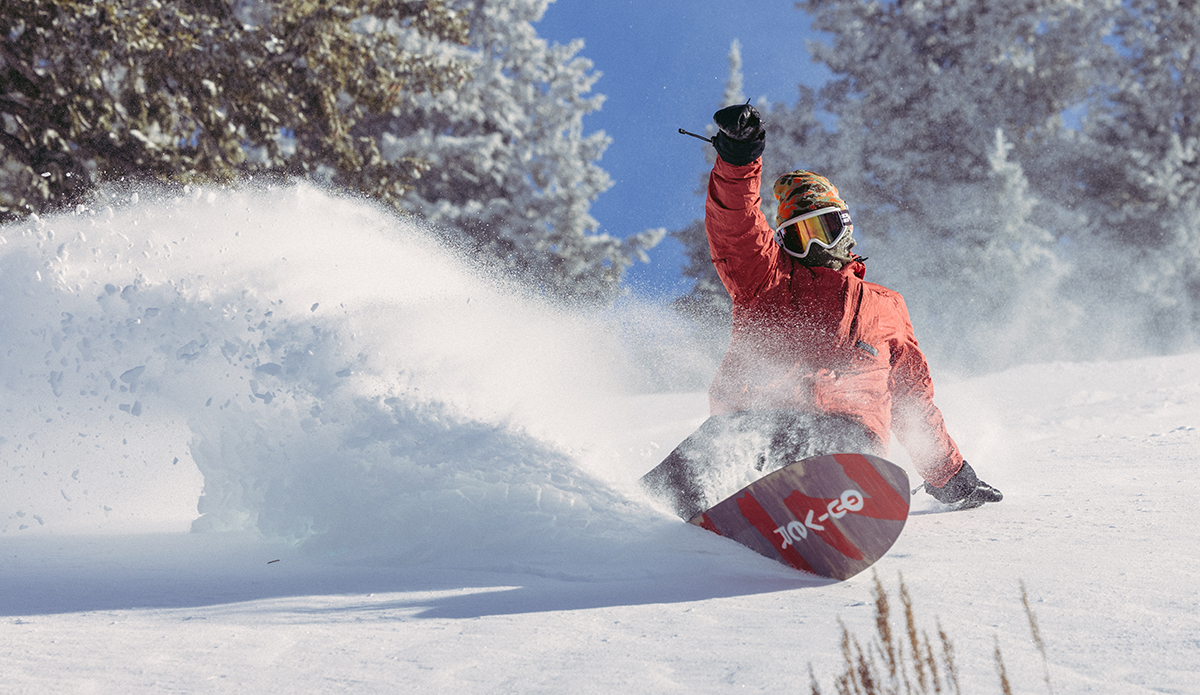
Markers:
825,227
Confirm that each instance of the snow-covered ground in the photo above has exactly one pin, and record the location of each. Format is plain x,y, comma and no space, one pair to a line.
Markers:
417,480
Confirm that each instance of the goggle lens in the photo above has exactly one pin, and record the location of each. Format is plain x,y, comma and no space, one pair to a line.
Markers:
824,227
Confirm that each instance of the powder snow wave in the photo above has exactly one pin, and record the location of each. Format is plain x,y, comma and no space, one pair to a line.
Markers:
335,375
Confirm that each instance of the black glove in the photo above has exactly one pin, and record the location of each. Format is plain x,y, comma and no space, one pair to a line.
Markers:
964,488
742,137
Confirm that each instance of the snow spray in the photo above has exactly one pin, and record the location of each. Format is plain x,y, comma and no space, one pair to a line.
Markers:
296,364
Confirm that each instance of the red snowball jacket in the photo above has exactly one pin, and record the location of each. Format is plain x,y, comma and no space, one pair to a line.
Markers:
816,339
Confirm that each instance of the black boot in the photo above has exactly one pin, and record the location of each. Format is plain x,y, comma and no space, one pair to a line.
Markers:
965,490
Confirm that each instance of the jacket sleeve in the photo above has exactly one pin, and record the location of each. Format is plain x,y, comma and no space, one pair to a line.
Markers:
740,240
916,421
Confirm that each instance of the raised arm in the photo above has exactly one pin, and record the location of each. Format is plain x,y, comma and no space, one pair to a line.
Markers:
739,236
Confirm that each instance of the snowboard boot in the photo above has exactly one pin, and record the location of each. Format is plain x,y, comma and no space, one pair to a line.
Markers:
965,490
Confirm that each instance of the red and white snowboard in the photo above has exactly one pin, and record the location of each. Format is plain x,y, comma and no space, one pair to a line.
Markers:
831,515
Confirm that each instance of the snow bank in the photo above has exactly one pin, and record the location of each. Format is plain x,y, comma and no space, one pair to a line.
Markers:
322,369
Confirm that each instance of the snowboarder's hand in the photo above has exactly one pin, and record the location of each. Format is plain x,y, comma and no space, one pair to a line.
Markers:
742,137
740,122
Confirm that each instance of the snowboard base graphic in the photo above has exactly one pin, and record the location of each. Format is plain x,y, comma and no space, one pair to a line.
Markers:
832,515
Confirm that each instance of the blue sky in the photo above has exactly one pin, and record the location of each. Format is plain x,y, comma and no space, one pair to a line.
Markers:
663,66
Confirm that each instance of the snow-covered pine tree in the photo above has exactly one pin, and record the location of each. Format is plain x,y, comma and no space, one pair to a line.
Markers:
1142,182
105,90
920,87
919,90
1007,272
512,175
795,140
734,93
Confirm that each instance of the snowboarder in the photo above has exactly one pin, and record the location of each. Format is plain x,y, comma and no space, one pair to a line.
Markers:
819,361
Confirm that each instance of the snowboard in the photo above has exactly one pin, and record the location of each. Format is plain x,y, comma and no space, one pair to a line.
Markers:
832,515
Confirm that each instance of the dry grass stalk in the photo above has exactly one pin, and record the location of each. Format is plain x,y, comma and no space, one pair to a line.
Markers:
1004,686
814,686
934,677
883,626
890,667
1037,637
889,674
914,643
948,656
